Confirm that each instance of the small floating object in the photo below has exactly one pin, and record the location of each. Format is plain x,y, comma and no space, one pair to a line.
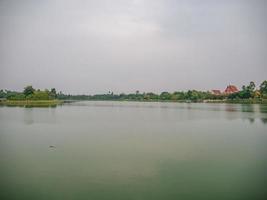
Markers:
51,146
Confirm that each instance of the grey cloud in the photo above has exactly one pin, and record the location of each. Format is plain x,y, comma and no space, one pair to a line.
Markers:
97,46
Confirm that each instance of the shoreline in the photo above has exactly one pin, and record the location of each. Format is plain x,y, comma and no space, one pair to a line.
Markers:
56,102
227,101
31,103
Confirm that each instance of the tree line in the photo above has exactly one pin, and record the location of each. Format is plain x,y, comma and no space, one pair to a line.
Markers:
29,93
247,92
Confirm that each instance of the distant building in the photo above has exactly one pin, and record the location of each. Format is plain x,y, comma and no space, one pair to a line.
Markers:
216,92
230,89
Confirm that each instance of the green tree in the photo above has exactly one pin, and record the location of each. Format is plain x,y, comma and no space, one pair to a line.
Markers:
165,96
179,95
251,87
246,92
28,90
40,95
2,94
193,95
263,87
17,96
53,93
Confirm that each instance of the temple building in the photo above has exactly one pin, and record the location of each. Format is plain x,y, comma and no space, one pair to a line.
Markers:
230,89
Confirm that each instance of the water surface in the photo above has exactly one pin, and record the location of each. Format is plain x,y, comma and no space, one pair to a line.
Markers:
134,150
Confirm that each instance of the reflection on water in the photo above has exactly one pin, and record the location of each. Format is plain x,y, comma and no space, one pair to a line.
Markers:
39,115
248,107
231,108
134,150
28,113
264,120
263,109
250,112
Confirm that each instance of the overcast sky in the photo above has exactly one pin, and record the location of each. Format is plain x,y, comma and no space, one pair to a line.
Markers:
96,46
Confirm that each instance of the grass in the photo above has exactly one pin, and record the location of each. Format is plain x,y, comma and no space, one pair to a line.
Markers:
31,103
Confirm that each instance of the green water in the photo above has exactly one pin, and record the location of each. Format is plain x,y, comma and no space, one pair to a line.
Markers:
133,150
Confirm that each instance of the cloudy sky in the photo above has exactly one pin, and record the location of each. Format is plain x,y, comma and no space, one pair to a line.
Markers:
96,46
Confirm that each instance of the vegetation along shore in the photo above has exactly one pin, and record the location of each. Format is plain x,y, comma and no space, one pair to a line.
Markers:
30,98
36,97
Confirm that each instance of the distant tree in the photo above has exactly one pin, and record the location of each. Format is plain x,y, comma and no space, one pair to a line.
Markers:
246,92
2,94
165,96
40,95
146,97
235,95
28,90
122,96
263,87
53,93
174,97
251,87
193,95
151,95
179,95
16,96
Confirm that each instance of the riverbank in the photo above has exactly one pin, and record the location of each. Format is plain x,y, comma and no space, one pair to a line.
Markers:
230,101
31,103
53,103
239,101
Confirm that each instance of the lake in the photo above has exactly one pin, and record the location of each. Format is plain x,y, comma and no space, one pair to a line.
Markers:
134,150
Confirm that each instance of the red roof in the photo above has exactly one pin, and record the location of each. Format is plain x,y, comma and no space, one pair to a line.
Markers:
231,89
